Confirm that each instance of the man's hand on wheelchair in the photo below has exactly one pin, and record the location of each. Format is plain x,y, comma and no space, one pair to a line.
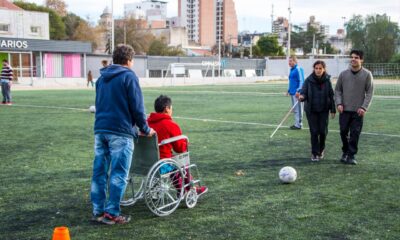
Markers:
151,133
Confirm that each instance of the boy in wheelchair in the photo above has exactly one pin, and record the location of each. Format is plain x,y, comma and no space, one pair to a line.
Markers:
161,121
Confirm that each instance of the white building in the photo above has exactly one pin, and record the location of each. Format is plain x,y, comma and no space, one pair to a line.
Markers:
17,23
150,9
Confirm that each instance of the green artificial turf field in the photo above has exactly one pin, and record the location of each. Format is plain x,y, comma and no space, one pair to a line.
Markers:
46,158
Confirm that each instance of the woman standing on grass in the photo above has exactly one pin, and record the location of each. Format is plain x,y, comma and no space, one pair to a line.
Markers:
317,93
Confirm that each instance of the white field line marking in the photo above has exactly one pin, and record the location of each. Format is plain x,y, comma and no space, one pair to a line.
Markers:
49,107
247,93
203,120
218,92
272,125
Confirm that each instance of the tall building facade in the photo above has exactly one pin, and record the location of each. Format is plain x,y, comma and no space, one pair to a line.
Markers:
209,21
152,12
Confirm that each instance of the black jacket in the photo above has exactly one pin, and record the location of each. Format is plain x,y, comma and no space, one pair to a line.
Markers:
318,94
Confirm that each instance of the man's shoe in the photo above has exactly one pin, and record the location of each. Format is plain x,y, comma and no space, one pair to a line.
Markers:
344,157
111,220
351,160
295,128
98,218
9,103
314,158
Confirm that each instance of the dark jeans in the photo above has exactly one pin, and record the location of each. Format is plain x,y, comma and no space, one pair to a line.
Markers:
350,130
318,123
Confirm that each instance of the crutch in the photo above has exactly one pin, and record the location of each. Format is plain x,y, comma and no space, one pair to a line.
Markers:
284,119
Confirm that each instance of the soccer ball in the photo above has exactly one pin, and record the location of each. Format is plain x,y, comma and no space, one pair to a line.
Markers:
287,174
92,109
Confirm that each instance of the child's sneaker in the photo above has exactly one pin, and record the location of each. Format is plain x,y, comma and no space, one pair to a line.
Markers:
201,190
111,220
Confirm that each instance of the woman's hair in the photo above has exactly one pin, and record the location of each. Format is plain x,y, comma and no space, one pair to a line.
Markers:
321,63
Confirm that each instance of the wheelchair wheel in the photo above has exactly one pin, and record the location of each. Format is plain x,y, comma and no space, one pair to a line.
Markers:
163,191
134,190
191,198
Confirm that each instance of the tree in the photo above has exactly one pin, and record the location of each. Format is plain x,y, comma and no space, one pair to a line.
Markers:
71,22
58,6
158,47
269,46
395,58
57,27
130,32
84,32
376,35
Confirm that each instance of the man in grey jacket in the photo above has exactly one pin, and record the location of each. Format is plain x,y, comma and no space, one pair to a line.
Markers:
353,95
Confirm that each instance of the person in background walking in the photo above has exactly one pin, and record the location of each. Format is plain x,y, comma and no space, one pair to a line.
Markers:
104,63
353,95
296,80
90,78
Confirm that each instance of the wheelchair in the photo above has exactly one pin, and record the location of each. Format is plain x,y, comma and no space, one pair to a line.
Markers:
164,183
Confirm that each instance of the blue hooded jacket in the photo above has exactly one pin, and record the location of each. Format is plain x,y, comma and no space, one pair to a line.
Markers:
296,79
119,103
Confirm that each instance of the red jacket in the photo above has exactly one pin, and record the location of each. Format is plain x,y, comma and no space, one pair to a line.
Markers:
166,128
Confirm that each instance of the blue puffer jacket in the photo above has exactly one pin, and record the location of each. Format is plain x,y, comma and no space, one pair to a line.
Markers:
119,103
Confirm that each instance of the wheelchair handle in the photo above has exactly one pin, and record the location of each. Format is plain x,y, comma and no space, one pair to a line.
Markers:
173,139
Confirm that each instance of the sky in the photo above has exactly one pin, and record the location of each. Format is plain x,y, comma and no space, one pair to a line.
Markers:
255,15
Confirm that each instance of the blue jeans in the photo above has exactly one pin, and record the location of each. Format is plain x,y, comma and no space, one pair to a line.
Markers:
112,161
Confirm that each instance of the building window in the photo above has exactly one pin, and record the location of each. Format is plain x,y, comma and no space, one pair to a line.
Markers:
4,27
35,30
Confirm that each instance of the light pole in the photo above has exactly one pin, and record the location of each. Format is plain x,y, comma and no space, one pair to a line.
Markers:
289,30
344,35
219,2
112,26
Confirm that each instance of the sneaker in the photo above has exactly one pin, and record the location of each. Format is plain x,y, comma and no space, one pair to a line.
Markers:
344,157
98,218
3,102
201,190
295,128
351,160
111,220
314,158
322,154
8,103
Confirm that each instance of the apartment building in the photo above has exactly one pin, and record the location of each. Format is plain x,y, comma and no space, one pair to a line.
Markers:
209,21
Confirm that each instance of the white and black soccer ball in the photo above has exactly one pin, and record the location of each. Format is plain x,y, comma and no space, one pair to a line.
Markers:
287,174
92,109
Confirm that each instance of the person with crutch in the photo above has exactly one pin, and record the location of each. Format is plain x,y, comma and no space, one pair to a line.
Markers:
296,80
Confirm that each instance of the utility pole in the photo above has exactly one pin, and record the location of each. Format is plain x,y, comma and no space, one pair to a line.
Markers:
272,18
112,26
289,30
219,10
